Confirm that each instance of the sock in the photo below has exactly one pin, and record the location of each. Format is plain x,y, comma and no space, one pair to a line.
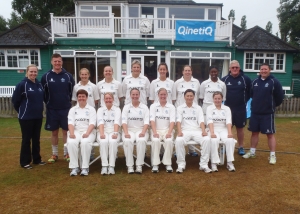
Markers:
252,150
272,153
65,150
55,150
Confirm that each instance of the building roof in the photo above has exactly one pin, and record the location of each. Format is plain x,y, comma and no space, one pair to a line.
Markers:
25,34
236,31
259,39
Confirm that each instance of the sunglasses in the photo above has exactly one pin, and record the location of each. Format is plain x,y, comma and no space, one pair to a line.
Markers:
235,67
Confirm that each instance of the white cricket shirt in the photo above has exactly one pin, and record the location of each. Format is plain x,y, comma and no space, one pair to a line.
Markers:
220,118
109,118
190,117
113,87
158,84
162,116
135,117
208,87
90,88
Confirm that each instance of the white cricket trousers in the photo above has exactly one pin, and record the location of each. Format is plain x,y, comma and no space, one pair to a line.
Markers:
108,148
222,137
156,146
196,136
128,145
85,148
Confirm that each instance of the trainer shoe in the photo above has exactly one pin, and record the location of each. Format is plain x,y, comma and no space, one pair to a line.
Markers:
241,151
205,169
104,170
84,172
249,155
41,163
67,157
179,170
28,166
155,169
214,167
169,169
130,170
272,159
230,167
53,159
74,172
138,170
111,170
193,154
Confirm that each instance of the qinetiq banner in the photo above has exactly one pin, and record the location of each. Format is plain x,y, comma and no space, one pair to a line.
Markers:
195,30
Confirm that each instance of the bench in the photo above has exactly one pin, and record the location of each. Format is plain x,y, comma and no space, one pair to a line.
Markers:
287,88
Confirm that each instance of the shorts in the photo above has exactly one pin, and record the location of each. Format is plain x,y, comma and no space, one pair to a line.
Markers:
239,117
262,123
56,118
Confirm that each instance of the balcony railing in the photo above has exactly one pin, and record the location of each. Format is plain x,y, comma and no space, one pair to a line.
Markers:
127,28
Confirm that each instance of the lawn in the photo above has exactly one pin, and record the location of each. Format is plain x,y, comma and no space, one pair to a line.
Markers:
255,187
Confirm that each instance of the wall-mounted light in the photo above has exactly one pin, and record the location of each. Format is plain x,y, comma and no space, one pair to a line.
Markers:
151,47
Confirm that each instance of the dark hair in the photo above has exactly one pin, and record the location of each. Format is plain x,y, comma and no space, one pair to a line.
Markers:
82,91
56,55
135,89
189,90
213,67
217,93
187,66
266,64
164,64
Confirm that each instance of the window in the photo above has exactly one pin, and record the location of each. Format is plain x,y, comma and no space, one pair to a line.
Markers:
14,58
212,14
254,60
187,13
94,11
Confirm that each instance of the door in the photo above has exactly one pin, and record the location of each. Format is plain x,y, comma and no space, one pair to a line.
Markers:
86,60
148,65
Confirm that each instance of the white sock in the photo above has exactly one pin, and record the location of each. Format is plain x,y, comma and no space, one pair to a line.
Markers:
272,153
55,150
65,150
252,150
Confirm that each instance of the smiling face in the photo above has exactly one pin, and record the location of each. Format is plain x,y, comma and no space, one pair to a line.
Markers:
135,95
264,71
217,99
84,75
32,73
108,72
109,100
213,73
234,69
189,98
81,98
57,64
162,95
162,70
187,72
135,70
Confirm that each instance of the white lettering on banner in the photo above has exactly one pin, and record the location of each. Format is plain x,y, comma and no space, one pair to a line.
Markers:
184,30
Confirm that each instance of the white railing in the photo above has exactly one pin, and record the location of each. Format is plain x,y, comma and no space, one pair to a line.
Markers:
112,27
6,91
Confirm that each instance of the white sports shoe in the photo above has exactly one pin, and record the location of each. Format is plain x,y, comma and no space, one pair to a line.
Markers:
84,172
155,169
138,169
104,170
179,170
74,172
272,159
205,169
130,170
230,167
214,167
111,170
169,169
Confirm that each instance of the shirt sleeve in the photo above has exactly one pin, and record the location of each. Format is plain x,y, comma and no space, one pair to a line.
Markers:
179,114
278,93
202,90
152,90
125,114
93,116
209,118
74,98
71,117
95,93
118,117
124,87
147,87
146,117
100,120
200,115
152,112
172,114
120,91
228,116
224,90
17,97
174,91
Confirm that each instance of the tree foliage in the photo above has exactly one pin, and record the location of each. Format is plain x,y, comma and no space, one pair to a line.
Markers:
231,14
3,24
269,27
14,20
38,11
244,23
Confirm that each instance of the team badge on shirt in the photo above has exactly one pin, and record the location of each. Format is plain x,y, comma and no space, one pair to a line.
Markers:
30,89
51,80
223,113
167,112
89,89
267,84
111,87
255,84
140,82
140,112
192,85
62,80
194,112
112,114
167,85
40,89
87,113
239,83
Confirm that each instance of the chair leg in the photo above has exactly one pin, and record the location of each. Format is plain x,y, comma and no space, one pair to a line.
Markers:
222,151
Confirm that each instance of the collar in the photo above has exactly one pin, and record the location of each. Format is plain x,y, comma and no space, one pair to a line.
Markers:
130,75
135,107
112,108
209,80
85,107
89,83
185,105
192,79
222,106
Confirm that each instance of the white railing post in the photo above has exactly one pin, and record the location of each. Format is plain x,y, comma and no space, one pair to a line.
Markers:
230,31
174,29
112,28
52,27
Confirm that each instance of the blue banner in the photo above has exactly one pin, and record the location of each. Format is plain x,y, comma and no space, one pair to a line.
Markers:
195,31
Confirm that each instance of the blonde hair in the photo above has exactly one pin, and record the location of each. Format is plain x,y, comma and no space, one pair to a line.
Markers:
136,62
108,66
84,69
30,66
162,89
109,94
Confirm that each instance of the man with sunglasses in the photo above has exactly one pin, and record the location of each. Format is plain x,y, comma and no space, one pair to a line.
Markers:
238,93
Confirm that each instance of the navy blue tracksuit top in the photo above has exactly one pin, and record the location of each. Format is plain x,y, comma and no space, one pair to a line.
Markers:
238,91
58,89
266,95
28,99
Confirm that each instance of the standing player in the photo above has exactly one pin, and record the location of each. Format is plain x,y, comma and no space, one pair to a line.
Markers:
86,84
266,94
58,86
161,82
162,119
237,96
109,84
180,86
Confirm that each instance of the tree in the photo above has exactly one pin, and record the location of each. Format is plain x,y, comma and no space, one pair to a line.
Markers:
38,11
14,20
244,23
3,24
231,14
269,27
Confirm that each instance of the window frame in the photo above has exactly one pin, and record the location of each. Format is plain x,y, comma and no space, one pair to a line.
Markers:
264,57
22,55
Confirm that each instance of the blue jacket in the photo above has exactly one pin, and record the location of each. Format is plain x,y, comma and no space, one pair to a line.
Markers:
238,91
58,89
266,95
28,99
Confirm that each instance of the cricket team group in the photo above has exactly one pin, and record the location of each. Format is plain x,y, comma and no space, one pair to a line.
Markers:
202,113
